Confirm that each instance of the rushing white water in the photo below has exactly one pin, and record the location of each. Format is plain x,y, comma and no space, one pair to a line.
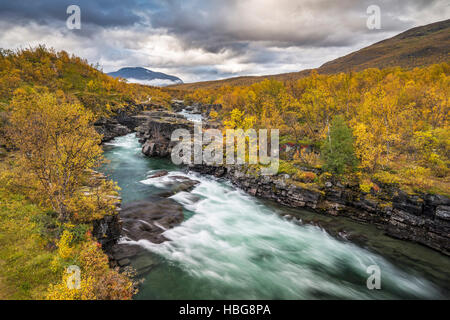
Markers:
237,242
194,117
235,247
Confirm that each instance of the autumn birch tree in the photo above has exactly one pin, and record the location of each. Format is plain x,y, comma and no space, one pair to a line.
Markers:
56,144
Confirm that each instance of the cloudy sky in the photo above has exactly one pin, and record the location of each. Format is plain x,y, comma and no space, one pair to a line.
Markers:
210,39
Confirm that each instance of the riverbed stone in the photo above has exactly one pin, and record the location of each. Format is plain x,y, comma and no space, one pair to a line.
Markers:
148,219
144,262
123,262
160,173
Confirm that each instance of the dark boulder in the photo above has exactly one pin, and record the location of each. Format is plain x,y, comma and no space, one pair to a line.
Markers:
147,220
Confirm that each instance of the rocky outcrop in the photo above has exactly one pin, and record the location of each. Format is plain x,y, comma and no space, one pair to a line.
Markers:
175,184
107,231
147,220
124,121
420,218
424,219
195,108
177,105
144,220
110,128
156,130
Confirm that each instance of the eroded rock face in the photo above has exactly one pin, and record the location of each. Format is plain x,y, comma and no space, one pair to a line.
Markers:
107,231
156,130
122,123
110,128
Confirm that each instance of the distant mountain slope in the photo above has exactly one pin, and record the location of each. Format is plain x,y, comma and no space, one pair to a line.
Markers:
416,47
145,76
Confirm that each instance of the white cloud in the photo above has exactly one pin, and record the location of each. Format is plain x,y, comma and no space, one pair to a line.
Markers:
154,82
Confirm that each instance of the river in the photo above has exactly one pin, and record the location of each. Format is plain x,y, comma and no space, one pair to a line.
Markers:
235,246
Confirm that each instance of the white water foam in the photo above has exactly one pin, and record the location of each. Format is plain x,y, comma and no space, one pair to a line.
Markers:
194,117
236,242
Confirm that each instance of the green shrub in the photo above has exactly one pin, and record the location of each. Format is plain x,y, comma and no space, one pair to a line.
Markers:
287,167
337,150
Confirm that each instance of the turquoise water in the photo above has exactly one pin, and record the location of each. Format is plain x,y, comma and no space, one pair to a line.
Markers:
234,246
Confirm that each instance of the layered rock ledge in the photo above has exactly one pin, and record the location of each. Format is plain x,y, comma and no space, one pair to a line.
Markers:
123,122
156,129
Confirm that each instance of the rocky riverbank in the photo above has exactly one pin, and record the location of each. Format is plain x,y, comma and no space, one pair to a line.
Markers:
123,122
156,129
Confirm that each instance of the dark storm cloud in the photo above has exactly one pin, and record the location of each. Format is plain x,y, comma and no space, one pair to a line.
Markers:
216,25
100,13
201,40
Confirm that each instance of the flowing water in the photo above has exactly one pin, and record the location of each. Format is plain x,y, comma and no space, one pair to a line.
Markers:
234,246
194,117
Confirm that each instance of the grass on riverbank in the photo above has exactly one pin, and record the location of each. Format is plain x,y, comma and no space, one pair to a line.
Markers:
24,261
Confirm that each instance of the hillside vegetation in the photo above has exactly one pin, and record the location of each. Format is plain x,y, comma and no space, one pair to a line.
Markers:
78,80
416,47
381,122
394,122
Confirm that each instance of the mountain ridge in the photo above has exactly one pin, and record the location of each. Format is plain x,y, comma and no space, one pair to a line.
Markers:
144,76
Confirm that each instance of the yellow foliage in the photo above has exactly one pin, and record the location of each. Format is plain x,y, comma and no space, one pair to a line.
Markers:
97,281
366,187
65,250
98,92
57,145
386,177
398,116
239,121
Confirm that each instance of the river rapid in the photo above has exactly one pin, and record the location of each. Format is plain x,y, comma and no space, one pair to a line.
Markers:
234,246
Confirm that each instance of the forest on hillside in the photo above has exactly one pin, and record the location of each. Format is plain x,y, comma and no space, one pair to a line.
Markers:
395,121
